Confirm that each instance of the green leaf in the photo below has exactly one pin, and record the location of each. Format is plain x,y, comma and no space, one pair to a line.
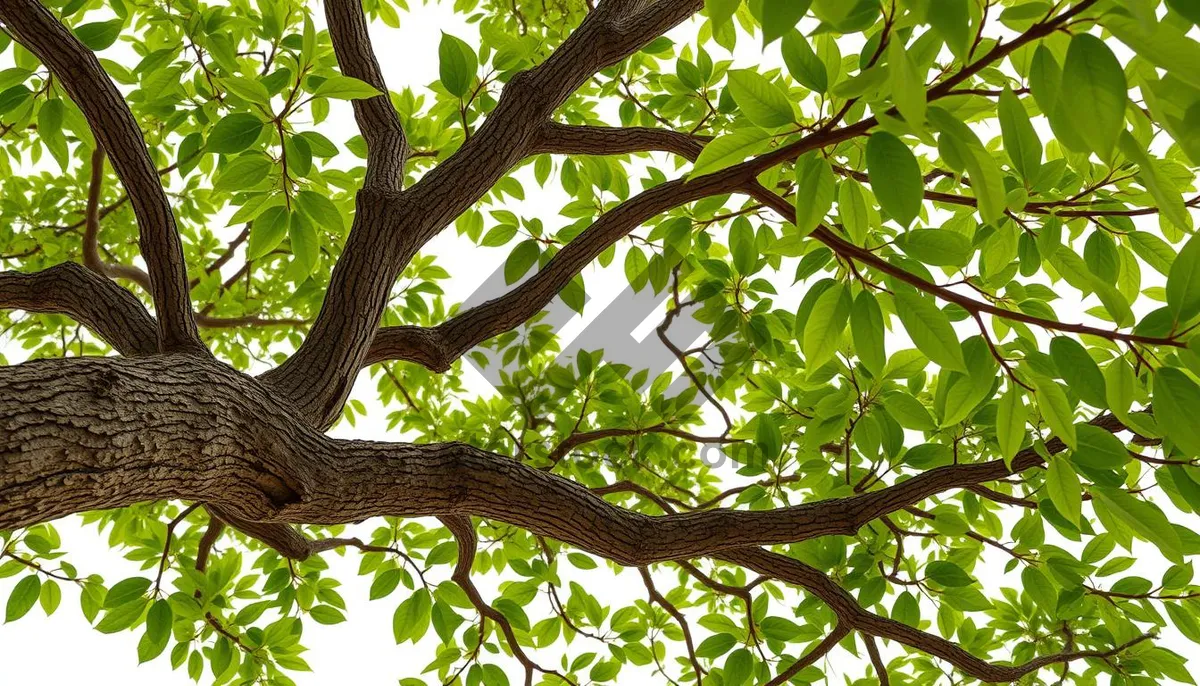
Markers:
738,667
780,16
852,210
23,597
763,103
320,210
305,246
1099,449
768,437
348,88
826,323
457,65
1062,483
1166,196
1176,407
952,19
803,64
1163,45
411,620
234,133
248,89
948,574
895,177
721,11
1143,518
729,149
522,257
267,231
13,97
741,245
1153,250
99,35
1079,370
939,247
1056,410
324,614
930,329
1021,141
1010,423
1183,282
908,87
244,171
909,412
127,591
1092,75
866,329
814,191
50,596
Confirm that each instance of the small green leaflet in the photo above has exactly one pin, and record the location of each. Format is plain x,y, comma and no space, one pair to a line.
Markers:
952,19
23,597
909,412
895,177
814,191
948,574
457,65
803,64
1010,423
1092,75
852,210
866,328
768,437
1166,195
742,247
939,247
908,87
1079,370
730,149
720,11
1183,282
345,88
823,332
1056,410
1064,488
1099,449
1143,518
763,103
780,16
267,231
929,329
99,35
1021,141
234,133
1176,407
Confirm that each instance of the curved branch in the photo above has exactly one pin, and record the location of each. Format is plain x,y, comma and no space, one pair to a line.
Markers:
851,615
111,312
387,148
390,228
117,132
262,465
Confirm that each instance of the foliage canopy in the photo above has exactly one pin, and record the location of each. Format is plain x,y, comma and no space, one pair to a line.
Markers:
943,251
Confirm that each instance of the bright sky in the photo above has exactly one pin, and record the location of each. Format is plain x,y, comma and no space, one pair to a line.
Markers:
64,649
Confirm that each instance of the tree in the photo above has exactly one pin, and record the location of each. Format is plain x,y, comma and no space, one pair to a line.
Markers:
928,410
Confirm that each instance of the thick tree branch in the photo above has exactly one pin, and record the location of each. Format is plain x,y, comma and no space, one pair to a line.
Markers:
387,148
117,132
258,464
111,312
